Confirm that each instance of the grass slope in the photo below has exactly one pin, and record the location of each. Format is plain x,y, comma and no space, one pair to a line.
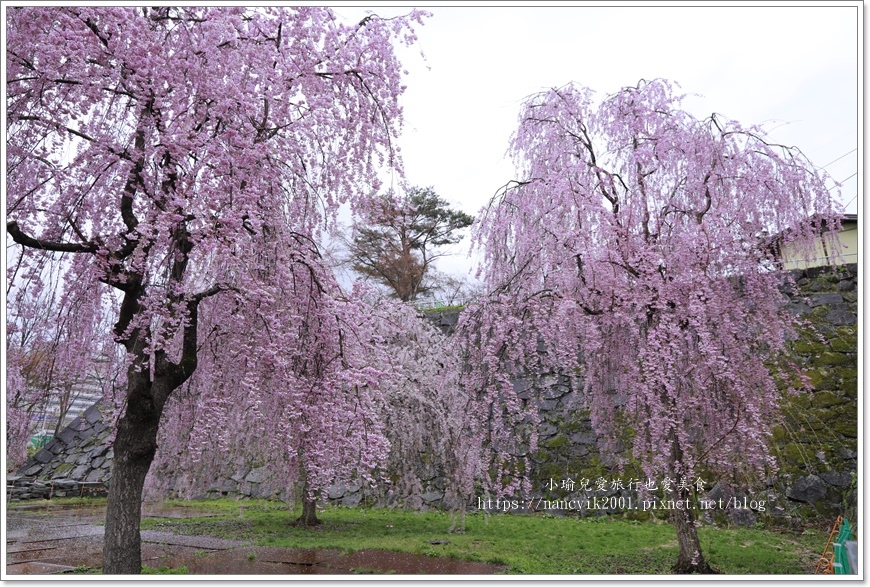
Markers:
539,545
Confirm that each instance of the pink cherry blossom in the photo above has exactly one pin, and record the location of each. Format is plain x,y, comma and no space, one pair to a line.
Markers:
634,251
188,160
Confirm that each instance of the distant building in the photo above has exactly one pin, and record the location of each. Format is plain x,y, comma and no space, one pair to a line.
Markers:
82,395
832,246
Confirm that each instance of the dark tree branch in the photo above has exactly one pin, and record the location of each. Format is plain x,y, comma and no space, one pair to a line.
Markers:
34,243
133,292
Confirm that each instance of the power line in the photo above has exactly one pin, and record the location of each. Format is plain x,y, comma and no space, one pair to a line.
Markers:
848,178
840,157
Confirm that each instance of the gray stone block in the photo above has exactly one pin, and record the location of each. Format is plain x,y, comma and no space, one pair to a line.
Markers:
98,451
33,471
547,430
809,489
43,456
716,493
94,475
836,478
825,298
798,309
847,453
351,500
584,438
258,475
841,317
579,451
742,517
79,472
522,387
67,435
92,414
450,319
556,391
547,405
431,497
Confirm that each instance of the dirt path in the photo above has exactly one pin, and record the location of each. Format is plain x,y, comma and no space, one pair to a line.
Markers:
57,539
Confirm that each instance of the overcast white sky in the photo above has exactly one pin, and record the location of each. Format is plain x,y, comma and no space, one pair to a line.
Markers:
793,67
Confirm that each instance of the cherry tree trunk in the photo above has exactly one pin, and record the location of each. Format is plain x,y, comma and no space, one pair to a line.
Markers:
690,559
309,500
134,448
309,512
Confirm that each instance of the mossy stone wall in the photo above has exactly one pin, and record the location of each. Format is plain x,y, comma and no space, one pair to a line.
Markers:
815,445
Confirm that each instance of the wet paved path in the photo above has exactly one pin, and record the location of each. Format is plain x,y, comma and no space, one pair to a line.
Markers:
52,539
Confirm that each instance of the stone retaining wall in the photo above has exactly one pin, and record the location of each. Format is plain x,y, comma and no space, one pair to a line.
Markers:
816,444
78,461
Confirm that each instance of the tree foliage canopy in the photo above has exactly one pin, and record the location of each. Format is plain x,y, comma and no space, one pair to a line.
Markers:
393,363
189,158
635,248
395,242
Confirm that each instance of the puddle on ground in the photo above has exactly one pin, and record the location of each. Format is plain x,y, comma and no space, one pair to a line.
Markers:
404,563
42,544
35,569
319,561
26,557
246,561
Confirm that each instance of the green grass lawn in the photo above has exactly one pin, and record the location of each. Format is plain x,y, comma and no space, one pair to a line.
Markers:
539,545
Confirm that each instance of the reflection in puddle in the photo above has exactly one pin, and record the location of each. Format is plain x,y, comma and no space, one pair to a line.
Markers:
69,537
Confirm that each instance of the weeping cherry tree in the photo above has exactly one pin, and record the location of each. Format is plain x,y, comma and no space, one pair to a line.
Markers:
166,149
635,250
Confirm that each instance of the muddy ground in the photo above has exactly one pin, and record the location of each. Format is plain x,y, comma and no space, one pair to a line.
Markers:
51,539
